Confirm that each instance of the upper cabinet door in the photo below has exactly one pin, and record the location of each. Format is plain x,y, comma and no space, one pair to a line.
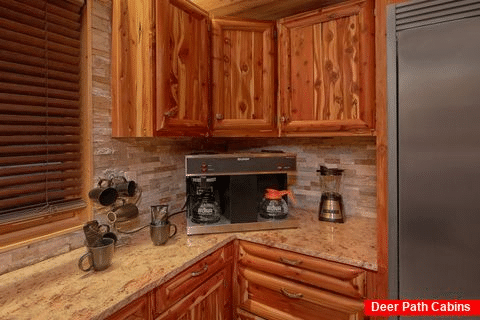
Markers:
243,91
133,95
326,71
182,69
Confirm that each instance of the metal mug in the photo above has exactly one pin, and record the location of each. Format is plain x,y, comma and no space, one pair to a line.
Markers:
124,187
104,195
160,233
99,257
123,213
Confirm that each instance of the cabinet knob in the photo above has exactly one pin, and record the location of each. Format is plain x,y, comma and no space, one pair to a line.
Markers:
171,113
219,116
284,119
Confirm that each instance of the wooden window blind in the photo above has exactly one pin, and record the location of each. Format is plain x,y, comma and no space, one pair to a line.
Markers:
40,142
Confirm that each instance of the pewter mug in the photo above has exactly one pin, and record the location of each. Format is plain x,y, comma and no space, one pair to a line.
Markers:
99,257
123,213
124,187
160,233
104,195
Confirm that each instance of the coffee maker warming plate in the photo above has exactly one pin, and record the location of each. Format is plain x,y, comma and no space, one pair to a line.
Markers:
224,225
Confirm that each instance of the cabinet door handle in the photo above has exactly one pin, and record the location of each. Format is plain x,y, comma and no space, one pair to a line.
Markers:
291,295
200,272
290,262
219,116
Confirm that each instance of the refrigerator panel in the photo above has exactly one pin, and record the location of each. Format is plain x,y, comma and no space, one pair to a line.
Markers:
439,161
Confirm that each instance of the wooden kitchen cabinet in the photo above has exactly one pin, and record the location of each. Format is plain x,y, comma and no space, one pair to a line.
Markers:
163,52
204,303
176,289
182,69
243,59
326,71
160,68
277,284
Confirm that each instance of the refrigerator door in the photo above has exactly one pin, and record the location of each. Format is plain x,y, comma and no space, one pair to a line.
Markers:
439,161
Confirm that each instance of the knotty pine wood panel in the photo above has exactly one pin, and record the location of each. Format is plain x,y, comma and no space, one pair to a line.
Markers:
243,76
324,72
338,98
182,67
132,62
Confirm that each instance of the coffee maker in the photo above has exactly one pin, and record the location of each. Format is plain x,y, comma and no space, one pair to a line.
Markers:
331,201
225,191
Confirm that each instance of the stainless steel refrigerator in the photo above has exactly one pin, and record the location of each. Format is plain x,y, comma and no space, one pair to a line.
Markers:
434,149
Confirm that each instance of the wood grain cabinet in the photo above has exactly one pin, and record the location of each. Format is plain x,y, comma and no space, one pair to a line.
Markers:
205,285
160,68
277,284
201,292
182,68
177,72
243,60
326,71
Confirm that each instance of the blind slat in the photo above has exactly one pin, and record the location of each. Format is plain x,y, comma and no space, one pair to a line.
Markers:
28,129
44,177
33,49
20,202
39,71
23,109
39,149
39,120
16,57
21,170
31,160
38,81
14,98
39,91
37,188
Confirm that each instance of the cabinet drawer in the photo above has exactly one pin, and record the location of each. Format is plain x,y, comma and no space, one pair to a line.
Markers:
324,274
273,297
188,280
205,302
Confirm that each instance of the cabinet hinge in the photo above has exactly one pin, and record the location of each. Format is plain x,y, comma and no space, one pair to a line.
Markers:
275,33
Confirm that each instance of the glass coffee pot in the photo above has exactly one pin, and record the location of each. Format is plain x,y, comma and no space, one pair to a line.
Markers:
206,209
273,206
331,202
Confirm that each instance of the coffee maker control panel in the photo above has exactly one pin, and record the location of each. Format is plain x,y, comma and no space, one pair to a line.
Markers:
239,163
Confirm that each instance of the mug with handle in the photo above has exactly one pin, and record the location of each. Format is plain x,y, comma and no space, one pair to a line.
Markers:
98,257
160,233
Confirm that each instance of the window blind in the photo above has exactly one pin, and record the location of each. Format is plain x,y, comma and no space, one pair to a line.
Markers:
40,143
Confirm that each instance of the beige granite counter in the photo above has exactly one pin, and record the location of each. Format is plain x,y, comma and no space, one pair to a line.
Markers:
57,289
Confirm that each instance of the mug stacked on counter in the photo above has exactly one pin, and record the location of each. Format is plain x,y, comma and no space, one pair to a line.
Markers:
160,227
100,244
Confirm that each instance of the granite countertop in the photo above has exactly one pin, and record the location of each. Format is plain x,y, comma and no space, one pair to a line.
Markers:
58,289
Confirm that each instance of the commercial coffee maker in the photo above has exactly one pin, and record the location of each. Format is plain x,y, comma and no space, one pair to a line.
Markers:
225,191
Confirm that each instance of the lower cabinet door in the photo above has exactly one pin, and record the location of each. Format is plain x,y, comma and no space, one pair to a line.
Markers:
207,302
